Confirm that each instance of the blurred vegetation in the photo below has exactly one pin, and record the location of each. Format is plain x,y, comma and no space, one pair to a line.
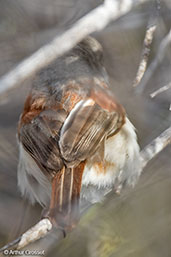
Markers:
137,223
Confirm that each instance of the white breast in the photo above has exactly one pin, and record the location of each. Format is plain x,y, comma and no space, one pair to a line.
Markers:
121,154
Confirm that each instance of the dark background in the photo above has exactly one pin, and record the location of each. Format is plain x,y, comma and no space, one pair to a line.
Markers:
138,223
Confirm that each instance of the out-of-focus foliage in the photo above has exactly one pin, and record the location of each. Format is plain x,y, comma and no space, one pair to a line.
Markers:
137,223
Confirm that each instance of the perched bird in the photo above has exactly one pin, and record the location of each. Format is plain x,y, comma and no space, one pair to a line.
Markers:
75,140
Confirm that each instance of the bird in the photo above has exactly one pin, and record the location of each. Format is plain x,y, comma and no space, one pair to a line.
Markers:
75,140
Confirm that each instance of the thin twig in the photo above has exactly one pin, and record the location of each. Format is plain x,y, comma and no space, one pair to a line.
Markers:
156,146
145,54
42,228
148,39
153,66
95,20
160,90
38,231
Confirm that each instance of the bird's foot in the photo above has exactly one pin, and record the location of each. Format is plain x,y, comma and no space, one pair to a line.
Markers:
60,221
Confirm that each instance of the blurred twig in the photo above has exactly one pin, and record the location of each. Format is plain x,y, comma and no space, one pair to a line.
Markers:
36,232
156,146
152,67
145,53
151,27
95,20
160,90
43,227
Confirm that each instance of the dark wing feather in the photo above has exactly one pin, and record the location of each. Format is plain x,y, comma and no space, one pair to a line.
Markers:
84,129
40,139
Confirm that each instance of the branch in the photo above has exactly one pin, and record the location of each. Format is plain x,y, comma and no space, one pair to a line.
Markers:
160,90
38,231
156,146
95,20
153,66
151,27
145,54
43,227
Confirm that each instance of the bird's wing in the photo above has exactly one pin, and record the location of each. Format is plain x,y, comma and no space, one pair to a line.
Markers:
90,121
40,139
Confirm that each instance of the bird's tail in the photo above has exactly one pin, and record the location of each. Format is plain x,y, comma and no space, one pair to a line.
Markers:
64,205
